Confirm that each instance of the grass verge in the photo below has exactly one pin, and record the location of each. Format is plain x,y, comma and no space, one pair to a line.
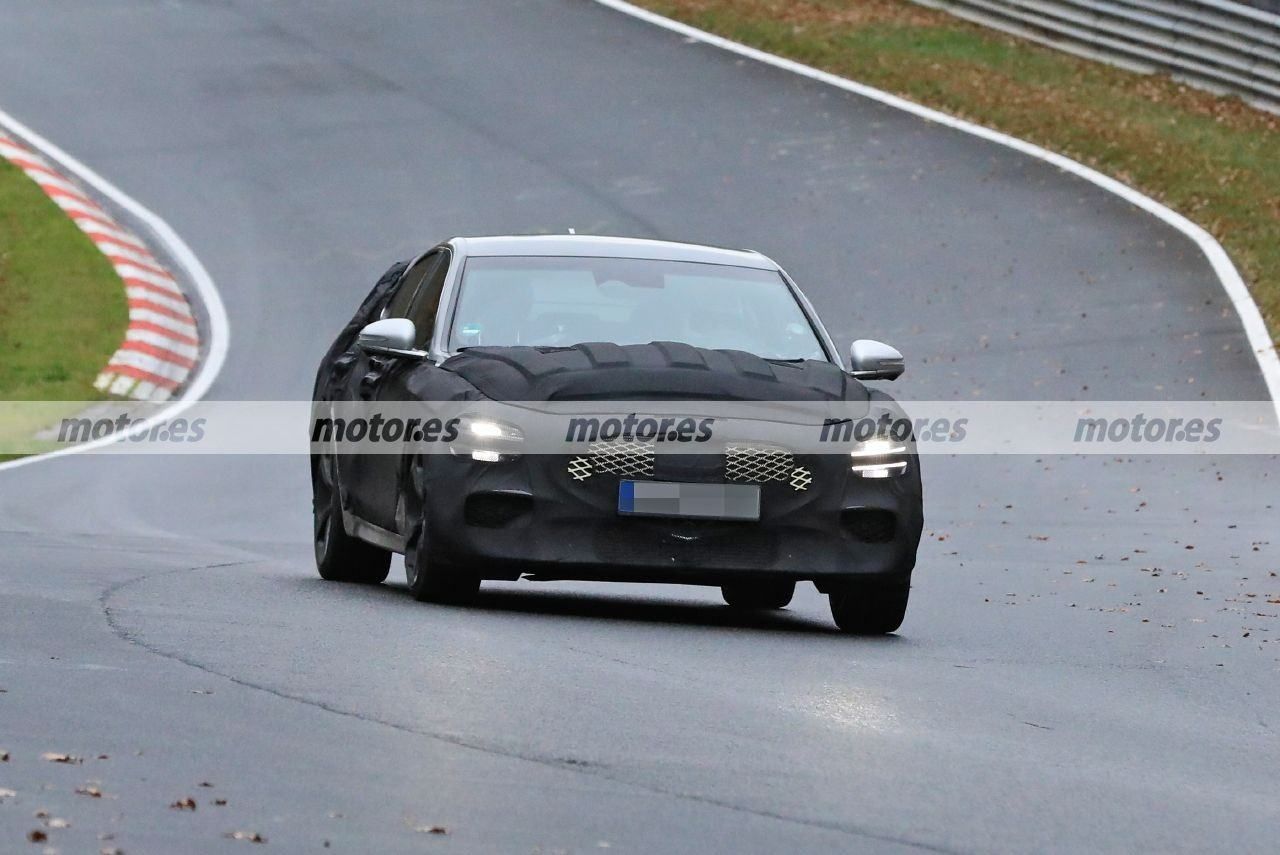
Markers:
1214,159
62,306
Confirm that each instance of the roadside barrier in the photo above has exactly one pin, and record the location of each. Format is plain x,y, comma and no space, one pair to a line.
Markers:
1216,45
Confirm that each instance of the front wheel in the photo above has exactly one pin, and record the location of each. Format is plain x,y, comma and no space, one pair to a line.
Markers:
433,582
758,595
430,580
339,556
870,607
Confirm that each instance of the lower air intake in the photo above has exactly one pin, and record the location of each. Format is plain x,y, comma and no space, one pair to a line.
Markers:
496,510
870,525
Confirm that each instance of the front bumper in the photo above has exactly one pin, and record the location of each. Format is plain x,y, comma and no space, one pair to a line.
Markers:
529,516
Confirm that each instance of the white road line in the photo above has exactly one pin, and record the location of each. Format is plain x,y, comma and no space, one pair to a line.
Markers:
219,327
1255,327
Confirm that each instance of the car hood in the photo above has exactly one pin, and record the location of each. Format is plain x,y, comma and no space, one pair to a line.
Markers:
657,371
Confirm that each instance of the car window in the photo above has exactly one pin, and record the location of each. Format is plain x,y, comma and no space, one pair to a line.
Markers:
422,311
561,301
408,287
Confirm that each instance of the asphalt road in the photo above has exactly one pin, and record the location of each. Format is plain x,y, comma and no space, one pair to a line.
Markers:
1074,672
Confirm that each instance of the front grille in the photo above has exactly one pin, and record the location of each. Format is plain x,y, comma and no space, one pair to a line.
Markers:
742,462
757,463
629,458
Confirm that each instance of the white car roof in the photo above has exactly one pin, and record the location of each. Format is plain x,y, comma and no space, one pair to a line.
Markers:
597,246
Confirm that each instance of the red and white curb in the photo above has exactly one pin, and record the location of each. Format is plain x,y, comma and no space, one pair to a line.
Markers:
162,342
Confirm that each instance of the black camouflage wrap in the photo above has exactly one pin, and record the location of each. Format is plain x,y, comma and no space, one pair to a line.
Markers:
528,515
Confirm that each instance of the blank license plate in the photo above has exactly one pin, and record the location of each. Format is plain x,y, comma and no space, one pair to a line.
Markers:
700,501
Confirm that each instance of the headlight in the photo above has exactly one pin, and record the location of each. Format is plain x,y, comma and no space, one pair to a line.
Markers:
879,458
488,440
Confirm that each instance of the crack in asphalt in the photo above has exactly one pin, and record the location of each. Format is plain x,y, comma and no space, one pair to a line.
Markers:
573,765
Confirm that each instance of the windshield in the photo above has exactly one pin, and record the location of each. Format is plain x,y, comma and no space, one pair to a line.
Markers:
558,301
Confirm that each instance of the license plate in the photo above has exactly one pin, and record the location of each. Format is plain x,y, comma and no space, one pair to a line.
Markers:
697,501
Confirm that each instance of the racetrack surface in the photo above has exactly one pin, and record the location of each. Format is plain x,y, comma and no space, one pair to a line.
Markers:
1073,673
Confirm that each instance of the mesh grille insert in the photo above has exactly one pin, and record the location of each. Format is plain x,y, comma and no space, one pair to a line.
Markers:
744,462
627,457
757,463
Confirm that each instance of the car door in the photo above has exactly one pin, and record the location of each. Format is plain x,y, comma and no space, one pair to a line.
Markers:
374,477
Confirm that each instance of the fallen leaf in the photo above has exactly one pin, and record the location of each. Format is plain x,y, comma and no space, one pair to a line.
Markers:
431,829
54,757
184,804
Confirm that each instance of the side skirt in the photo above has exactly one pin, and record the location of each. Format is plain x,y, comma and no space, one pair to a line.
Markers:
370,533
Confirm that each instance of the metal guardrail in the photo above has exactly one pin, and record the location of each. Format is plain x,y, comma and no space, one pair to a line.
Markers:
1266,5
1212,44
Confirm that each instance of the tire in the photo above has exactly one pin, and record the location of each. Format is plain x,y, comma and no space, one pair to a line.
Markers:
872,607
430,580
339,556
758,595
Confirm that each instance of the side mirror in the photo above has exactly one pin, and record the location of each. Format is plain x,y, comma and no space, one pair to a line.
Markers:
389,337
875,360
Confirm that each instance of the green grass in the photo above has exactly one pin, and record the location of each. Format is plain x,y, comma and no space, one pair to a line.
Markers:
62,311
1213,159
62,306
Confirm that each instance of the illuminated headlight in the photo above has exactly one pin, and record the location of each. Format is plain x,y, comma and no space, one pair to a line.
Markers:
879,458
488,440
